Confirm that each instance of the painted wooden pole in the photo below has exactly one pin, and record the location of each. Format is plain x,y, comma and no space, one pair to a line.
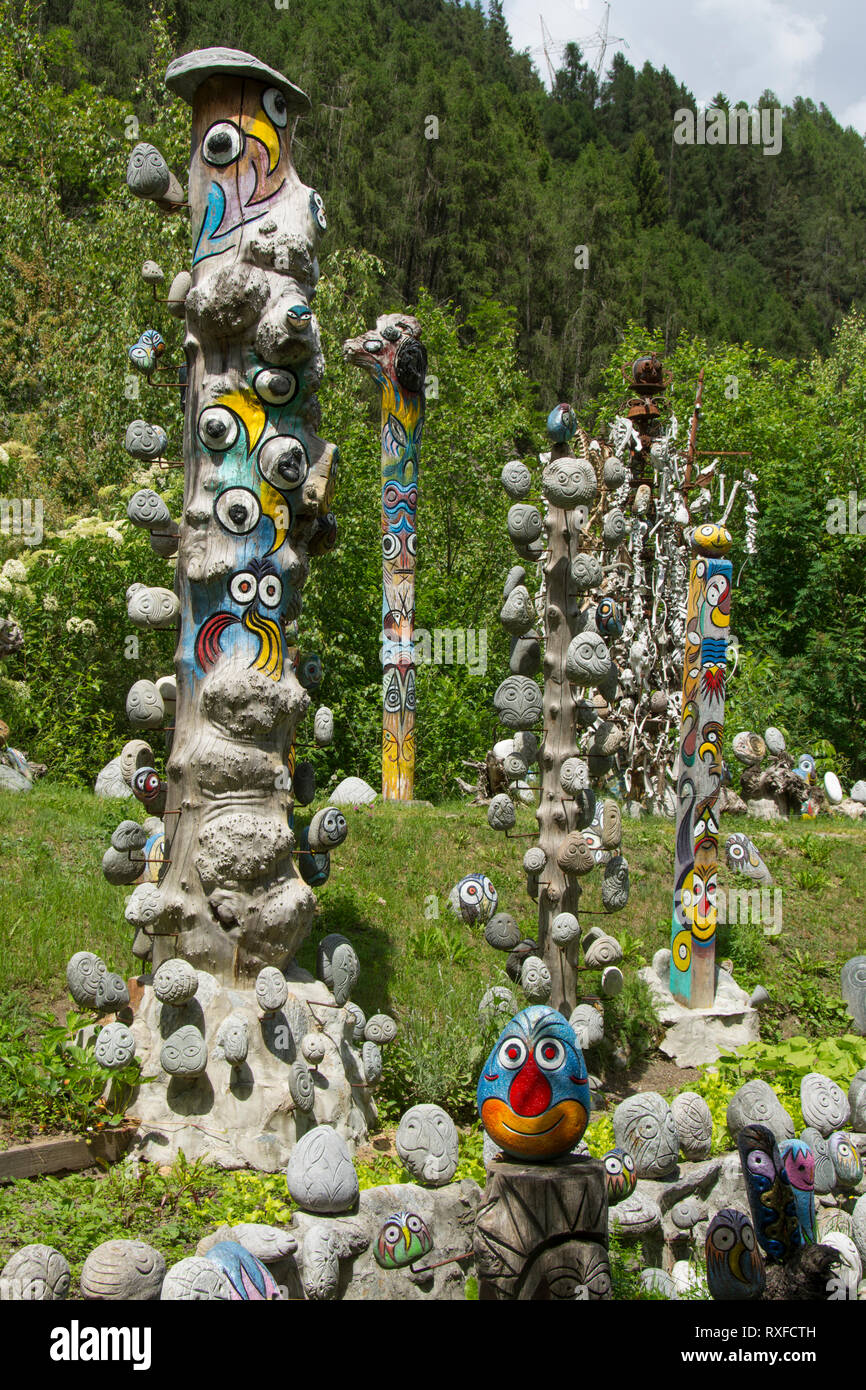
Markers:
395,357
257,491
693,930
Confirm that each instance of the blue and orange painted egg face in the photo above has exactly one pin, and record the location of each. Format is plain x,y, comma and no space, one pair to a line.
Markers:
620,1174
533,1095
403,1239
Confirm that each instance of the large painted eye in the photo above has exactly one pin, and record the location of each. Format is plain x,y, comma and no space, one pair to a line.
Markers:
613,1165
550,1054
283,461
628,1163
724,1238
412,543
470,892
512,1054
392,1233
275,385
238,510
271,590
390,546
243,586
275,106
747,1236
222,144
759,1162
414,1223
489,890
217,428
317,208
735,850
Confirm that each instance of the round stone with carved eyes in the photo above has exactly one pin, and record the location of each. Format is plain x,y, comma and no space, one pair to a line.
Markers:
565,928
533,1093
144,441
313,1048
535,980
524,523
569,482
846,1161
371,1057
824,1104
514,767
327,830
474,898
586,572
615,885
534,860
380,1029
83,974
587,659
144,706
115,1046
516,479
184,1052
518,702
735,1265
111,993
644,1125
501,814
620,1175
517,612
233,1040
615,473
614,526
271,989
427,1143
748,748
175,982
573,776
197,1280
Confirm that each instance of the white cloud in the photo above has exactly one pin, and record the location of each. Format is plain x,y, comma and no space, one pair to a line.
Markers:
854,115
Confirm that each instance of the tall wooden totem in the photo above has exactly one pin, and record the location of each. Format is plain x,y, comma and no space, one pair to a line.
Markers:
699,784
257,491
395,357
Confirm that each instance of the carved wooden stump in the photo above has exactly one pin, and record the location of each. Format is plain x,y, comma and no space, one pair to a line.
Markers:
541,1231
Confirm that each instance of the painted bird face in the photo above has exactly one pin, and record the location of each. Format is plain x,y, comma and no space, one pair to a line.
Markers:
846,1161
476,898
620,1174
799,1163
735,1267
770,1194
403,1239
533,1094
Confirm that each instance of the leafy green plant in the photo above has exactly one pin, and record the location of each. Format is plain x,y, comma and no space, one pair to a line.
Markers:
440,943
816,848
809,879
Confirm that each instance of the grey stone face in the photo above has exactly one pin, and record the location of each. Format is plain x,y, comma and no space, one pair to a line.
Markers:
568,482
588,1025
358,1019
111,993
644,1125
749,748
83,974
825,1172
586,572
501,814
694,1124
743,857
175,982
565,928
196,1280
615,884
123,1269
854,990
604,950
233,1041
147,509
614,526
301,1086
525,658
574,776
380,1029
535,980
147,174
129,835
323,726
328,829
518,702
534,860
495,1001
271,989
371,1057
320,1175
824,1104
144,706
775,740
575,855
152,608
615,473
313,1048
611,825
517,612
184,1053
144,441
516,479
514,767
40,1271
757,1103
587,659
524,523
427,1143
345,971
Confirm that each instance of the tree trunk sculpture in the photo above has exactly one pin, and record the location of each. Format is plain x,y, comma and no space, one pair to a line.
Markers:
258,487
395,357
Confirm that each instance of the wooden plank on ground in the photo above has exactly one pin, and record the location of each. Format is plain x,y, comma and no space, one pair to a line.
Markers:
63,1155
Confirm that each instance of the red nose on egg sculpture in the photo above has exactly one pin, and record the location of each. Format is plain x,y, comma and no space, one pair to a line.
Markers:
533,1094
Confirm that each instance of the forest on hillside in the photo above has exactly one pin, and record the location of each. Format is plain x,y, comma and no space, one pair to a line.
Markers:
749,265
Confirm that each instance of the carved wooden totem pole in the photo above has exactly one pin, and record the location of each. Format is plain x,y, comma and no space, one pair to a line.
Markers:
577,830
228,1019
395,357
699,784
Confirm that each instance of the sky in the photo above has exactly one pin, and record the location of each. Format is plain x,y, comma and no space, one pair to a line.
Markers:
808,48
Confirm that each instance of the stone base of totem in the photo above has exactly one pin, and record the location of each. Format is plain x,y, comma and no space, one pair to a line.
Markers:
245,1116
541,1231
695,1037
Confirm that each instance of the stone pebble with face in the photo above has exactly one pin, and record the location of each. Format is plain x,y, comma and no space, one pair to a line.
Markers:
403,1239
587,660
144,441
535,980
196,1280
427,1143
524,523
824,1104
175,982
327,830
735,1265
620,1175
743,857
854,990
501,814
757,1103
123,1269
272,990
144,706
847,1164
152,608
518,702
644,1125
615,884
83,974
381,1029
474,898
533,1093
502,932
233,1040
42,1273
825,1172
323,726
586,572
569,482
184,1053
771,1197
516,479
115,1046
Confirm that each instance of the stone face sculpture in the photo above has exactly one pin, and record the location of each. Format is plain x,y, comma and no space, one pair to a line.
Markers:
144,706
250,1280
757,1103
824,1179
749,748
83,974
644,1125
380,1029
40,1273
502,932
735,1265
115,1046
148,176
152,607
144,441
743,857
327,830
588,1025
271,989
338,965
620,1174
474,898
175,982
824,1104
771,1197
516,479
693,928
501,814
233,1041
535,980
403,1239
320,1175
518,702
587,660
846,1161
854,990
371,1058
323,726
694,1125
301,1086
427,1143
799,1164
123,1269
394,356
196,1279
533,1093
184,1053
